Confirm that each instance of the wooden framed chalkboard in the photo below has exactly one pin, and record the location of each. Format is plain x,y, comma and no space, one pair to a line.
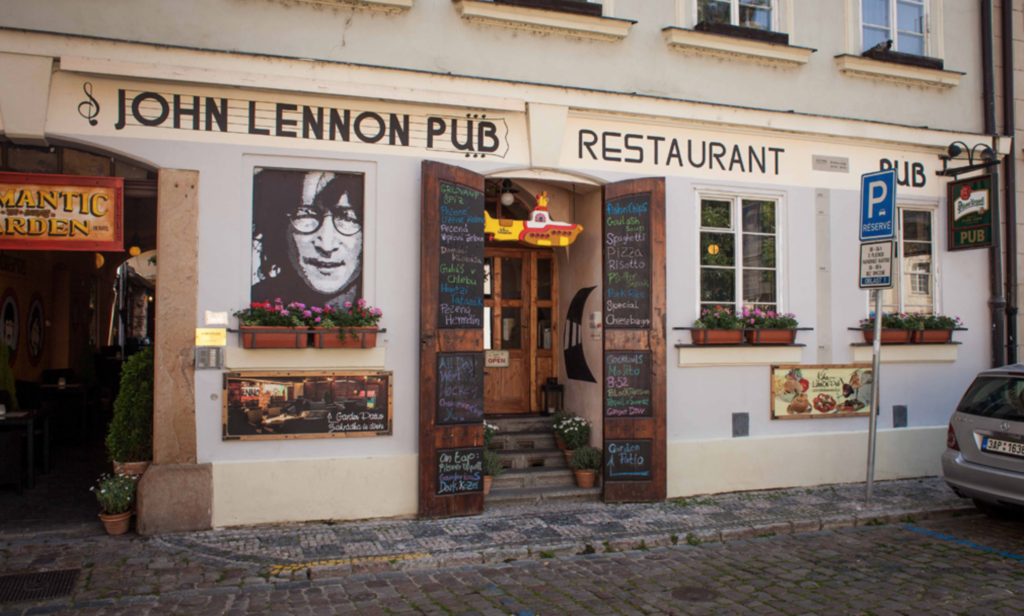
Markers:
459,471
635,357
291,405
627,460
460,388
627,262
461,268
627,384
451,339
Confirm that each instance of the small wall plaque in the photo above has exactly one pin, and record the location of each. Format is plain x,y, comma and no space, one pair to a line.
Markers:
835,164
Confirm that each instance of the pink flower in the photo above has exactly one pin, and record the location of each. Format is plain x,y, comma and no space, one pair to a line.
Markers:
300,306
277,301
307,313
348,304
362,302
285,312
316,309
317,320
751,320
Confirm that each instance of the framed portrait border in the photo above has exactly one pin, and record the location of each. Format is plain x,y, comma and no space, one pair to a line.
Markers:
865,412
368,168
255,374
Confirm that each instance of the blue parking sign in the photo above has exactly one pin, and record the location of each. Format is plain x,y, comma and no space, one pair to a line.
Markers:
878,205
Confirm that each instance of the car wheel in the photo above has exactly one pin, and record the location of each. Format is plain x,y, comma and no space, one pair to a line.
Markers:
997,512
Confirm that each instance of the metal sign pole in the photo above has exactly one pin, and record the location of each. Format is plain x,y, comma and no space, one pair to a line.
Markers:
876,360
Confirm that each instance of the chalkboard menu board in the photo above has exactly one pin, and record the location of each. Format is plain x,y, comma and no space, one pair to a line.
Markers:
627,384
460,388
461,275
283,405
627,460
460,471
627,262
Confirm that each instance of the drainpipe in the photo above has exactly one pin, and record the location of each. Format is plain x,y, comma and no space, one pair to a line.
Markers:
997,302
1010,171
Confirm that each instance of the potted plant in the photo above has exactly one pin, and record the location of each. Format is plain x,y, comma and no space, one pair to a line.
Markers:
585,462
896,328
770,327
490,430
556,420
130,436
116,494
492,468
718,326
273,326
575,432
934,328
357,325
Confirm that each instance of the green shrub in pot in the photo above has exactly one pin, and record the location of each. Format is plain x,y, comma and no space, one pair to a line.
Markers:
492,464
130,437
586,458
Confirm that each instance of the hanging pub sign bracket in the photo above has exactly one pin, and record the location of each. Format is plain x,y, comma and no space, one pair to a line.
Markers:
988,156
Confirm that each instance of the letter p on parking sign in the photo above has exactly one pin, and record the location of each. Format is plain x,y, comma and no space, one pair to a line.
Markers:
878,205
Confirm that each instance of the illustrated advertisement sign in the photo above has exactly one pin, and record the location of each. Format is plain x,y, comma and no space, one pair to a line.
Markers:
807,392
970,213
61,212
284,405
876,260
878,205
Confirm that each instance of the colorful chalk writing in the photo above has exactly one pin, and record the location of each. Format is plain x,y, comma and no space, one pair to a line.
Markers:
460,471
460,388
461,275
627,384
627,460
627,262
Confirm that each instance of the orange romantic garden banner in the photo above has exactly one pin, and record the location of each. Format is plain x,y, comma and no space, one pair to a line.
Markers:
61,212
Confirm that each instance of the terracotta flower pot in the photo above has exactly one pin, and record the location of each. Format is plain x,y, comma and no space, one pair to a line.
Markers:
254,337
116,524
931,336
352,338
559,441
889,336
716,336
488,479
132,469
771,336
585,479
568,456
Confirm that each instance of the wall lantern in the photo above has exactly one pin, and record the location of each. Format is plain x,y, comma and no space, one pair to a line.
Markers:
508,194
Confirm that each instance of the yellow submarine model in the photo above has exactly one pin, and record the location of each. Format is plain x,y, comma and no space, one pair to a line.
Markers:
540,230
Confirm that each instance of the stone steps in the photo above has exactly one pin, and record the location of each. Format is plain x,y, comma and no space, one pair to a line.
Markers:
523,440
521,423
535,478
532,458
525,497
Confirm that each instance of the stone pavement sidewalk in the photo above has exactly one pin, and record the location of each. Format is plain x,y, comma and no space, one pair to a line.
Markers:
329,550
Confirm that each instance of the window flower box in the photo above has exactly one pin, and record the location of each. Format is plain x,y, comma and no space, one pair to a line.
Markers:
932,336
349,338
889,336
266,337
771,336
716,336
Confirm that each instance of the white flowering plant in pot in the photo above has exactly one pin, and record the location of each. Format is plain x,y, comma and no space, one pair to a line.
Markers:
575,431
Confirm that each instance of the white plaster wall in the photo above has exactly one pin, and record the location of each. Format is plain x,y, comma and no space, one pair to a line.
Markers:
431,37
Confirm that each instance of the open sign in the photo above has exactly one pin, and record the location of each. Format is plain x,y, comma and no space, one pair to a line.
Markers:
496,359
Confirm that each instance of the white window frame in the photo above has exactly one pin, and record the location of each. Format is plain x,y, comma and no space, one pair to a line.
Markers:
935,276
933,31
734,13
736,197
893,26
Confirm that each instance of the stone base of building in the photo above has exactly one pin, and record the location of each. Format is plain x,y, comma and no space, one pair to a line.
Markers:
175,498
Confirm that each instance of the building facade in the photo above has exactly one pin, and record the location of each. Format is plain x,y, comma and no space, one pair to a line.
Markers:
740,128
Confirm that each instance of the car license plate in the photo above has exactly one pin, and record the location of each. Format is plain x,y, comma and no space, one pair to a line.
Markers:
997,446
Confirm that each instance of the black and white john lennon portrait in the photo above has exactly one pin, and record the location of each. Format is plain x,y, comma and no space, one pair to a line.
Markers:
307,237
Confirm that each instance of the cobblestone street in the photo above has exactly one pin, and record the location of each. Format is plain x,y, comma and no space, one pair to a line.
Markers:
855,565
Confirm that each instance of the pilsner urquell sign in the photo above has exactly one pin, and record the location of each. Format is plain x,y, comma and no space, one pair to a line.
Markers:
970,213
61,212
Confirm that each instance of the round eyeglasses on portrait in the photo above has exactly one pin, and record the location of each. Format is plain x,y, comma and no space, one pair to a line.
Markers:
308,220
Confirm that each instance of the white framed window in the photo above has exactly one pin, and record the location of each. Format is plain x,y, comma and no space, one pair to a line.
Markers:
904,22
739,252
759,14
914,290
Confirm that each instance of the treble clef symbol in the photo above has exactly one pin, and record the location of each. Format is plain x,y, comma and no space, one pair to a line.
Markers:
92,106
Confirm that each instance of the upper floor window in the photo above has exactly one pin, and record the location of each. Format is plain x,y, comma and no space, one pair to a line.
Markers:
914,290
756,14
904,22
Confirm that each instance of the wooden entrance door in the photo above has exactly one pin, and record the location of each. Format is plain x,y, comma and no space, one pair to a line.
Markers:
451,342
633,216
520,310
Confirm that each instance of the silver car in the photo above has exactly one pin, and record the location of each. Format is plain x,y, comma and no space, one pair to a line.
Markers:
984,457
